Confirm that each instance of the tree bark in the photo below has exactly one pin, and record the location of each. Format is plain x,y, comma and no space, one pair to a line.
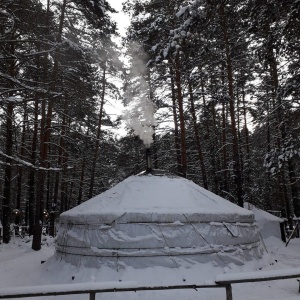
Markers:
97,143
279,124
64,185
294,188
181,117
20,169
197,138
7,174
60,159
224,137
45,138
81,182
175,120
32,172
8,151
235,144
246,127
224,148
215,161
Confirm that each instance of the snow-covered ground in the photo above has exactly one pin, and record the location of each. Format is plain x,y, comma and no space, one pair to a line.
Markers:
21,266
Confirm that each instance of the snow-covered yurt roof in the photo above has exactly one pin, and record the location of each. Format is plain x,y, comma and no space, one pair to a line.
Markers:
157,219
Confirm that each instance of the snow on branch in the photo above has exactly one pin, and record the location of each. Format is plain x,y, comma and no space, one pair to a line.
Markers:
34,89
181,11
28,164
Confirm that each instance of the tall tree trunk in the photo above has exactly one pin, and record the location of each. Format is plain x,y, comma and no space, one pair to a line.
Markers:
64,185
224,148
175,120
7,174
45,138
155,154
197,138
60,159
224,138
247,165
96,152
294,188
235,144
245,126
32,172
30,218
181,117
241,154
8,151
268,187
70,194
48,189
215,162
20,169
81,182
205,111
37,229
279,123
154,145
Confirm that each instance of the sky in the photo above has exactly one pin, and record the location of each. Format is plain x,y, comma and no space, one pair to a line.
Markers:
121,19
138,113
115,108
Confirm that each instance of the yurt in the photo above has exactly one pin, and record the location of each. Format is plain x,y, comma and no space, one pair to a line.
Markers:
157,219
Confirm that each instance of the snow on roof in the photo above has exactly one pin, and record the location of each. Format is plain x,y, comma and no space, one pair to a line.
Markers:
261,214
268,224
148,198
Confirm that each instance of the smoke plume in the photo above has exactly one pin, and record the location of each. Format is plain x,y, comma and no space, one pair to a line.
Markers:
139,112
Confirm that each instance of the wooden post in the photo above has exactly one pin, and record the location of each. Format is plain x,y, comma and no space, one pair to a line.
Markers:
92,296
229,292
282,231
292,235
1,228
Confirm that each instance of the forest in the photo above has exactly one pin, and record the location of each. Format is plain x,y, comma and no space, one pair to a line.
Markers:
216,83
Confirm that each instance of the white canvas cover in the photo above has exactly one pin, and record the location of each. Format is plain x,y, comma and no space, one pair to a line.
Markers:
149,220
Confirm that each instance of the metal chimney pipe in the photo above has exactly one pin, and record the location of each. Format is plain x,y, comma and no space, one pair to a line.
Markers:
148,161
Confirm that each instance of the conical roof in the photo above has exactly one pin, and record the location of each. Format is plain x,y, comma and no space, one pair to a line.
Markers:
149,198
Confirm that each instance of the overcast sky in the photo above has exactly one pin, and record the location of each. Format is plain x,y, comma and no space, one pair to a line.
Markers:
121,19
